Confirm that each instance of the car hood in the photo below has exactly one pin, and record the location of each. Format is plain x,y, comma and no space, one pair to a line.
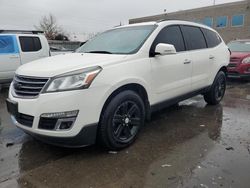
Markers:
56,65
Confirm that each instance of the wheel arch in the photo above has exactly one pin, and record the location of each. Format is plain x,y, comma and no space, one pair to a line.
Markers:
223,69
136,87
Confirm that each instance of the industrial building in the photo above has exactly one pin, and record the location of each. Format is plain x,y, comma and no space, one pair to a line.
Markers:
231,20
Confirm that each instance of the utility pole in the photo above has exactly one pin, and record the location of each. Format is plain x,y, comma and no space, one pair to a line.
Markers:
214,2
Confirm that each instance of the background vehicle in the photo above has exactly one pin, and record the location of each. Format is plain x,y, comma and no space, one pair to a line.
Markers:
116,80
239,66
57,51
18,48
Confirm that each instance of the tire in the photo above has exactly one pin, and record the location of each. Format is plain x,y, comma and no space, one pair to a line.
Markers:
121,121
217,90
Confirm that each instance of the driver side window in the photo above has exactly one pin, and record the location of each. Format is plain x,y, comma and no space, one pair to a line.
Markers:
170,35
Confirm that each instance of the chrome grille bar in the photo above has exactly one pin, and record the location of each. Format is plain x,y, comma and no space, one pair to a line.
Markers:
30,87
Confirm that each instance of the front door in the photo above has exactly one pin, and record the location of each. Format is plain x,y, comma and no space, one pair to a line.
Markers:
171,74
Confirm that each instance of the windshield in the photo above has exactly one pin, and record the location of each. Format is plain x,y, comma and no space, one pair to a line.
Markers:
118,41
239,46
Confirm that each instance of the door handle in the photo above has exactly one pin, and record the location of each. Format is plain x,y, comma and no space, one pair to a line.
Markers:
211,57
187,62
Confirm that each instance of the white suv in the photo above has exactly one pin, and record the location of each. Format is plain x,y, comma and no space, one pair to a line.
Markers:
110,86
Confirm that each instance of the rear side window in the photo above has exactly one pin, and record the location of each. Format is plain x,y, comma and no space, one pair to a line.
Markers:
170,35
30,44
194,37
212,38
8,44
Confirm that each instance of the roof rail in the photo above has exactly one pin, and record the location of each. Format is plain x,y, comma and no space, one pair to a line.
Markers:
21,31
167,19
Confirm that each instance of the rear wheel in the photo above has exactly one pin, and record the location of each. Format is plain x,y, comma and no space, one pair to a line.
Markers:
122,120
217,90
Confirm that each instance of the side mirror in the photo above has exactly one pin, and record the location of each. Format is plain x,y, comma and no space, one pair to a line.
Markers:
165,49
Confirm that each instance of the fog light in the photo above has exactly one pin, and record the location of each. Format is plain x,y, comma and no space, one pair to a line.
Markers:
61,114
64,124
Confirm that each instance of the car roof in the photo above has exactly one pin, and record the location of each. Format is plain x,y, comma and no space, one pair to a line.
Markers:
169,22
20,34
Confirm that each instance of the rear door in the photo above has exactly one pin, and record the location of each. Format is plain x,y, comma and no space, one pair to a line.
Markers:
31,48
171,74
200,55
9,56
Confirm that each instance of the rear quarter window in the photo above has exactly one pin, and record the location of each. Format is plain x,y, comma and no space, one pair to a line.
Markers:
194,37
30,44
212,38
8,44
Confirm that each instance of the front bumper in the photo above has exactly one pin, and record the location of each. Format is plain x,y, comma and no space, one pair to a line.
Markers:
238,75
238,71
86,137
88,102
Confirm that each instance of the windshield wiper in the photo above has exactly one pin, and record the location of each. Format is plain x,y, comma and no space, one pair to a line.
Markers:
99,52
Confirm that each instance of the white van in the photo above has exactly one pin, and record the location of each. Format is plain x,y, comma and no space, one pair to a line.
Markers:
18,49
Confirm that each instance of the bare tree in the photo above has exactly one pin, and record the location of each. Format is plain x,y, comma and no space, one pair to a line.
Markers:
49,25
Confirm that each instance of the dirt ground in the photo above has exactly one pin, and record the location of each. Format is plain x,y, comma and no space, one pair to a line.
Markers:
190,145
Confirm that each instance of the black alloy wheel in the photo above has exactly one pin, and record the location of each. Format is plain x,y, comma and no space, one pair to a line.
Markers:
220,88
217,90
126,121
121,120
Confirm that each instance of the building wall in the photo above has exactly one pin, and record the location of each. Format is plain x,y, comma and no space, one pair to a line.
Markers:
228,33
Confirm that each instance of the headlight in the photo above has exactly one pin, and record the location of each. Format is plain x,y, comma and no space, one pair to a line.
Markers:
246,60
80,79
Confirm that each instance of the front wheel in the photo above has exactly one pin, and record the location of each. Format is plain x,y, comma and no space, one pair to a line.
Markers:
217,90
121,120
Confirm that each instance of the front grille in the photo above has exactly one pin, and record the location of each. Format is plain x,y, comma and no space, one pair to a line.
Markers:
235,59
47,123
233,73
24,119
28,86
232,65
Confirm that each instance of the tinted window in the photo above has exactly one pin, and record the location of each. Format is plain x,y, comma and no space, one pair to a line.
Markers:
221,21
170,35
212,38
30,44
194,37
238,20
8,44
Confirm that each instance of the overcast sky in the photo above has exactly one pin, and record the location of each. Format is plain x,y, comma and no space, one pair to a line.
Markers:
80,16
